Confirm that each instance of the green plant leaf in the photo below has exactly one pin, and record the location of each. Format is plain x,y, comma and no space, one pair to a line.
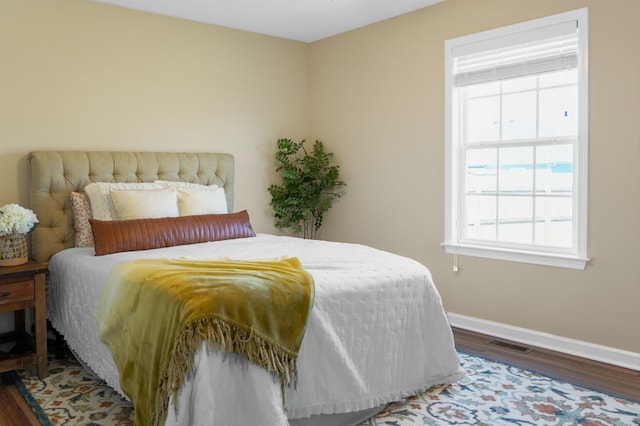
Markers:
309,186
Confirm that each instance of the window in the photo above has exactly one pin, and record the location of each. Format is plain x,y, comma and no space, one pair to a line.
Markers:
516,142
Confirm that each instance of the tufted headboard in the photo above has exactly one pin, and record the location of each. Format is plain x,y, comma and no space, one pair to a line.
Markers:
54,174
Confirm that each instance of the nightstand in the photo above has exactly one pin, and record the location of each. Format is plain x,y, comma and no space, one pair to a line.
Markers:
24,287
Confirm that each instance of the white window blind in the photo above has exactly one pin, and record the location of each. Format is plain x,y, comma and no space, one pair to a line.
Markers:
517,59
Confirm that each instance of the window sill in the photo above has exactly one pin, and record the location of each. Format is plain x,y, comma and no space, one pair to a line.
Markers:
535,258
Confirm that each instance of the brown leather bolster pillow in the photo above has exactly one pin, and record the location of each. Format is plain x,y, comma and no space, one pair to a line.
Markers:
143,234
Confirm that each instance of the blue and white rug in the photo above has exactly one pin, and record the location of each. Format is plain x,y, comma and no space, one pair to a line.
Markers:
493,394
499,394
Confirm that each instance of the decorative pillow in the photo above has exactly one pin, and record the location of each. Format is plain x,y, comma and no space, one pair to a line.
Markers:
99,195
202,201
143,204
186,185
143,234
81,214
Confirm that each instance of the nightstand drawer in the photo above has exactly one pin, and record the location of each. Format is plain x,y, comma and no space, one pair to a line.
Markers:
16,292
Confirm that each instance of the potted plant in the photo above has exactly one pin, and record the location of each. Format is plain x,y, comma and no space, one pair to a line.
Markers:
15,222
310,184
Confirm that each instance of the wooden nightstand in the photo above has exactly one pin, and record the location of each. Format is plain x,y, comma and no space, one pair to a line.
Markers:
23,287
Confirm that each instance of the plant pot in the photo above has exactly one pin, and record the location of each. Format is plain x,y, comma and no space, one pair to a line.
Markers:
13,250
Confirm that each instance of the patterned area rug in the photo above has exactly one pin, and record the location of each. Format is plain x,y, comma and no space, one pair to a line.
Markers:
492,394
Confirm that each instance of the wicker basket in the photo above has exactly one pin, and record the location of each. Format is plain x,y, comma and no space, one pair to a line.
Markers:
13,250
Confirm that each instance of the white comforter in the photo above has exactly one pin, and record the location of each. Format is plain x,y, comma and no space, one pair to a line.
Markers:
377,332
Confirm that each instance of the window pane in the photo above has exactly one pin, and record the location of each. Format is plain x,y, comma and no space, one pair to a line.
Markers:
554,226
515,216
519,116
519,84
516,170
481,171
559,112
484,119
484,89
554,169
559,77
480,218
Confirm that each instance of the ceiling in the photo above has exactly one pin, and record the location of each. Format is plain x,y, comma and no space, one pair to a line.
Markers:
301,20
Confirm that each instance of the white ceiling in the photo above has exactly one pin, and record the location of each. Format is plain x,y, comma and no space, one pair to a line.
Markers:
302,20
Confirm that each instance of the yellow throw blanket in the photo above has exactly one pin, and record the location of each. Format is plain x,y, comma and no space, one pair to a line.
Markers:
155,313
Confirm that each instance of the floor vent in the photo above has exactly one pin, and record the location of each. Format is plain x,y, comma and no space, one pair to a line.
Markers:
510,346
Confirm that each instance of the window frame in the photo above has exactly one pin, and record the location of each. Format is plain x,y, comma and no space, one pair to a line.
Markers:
574,257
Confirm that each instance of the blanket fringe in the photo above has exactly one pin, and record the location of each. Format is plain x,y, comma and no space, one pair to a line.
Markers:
231,338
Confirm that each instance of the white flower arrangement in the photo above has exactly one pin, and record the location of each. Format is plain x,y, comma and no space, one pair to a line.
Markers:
15,219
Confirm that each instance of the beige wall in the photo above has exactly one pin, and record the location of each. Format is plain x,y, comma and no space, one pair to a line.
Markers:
377,100
82,75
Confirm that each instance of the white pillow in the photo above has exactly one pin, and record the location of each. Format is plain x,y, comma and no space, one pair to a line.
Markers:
202,201
187,185
99,196
143,204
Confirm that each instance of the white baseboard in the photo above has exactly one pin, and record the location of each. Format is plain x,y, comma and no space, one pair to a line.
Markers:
552,342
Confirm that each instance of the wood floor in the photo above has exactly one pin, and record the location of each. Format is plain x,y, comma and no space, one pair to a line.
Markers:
14,411
607,378
592,374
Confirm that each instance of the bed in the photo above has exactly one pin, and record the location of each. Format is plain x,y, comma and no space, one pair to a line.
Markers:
377,332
